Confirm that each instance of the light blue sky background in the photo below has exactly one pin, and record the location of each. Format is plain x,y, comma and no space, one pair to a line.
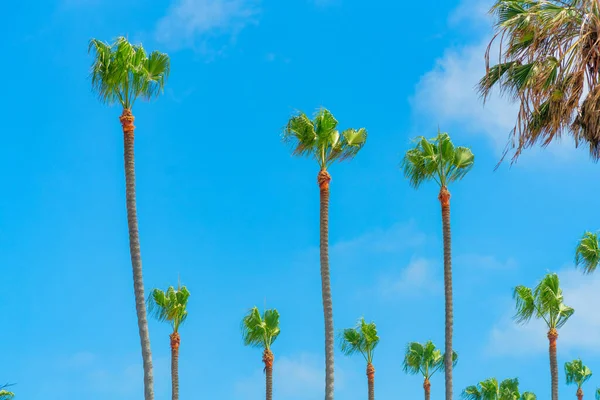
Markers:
222,203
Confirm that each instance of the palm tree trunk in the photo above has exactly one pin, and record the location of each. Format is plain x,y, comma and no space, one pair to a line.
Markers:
323,179
134,249
444,198
552,336
268,360
427,388
371,380
579,394
175,341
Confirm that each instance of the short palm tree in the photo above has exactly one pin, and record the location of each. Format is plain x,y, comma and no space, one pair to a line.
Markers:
320,139
362,339
490,390
545,302
439,160
587,253
425,359
549,64
121,73
261,331
171,307
578,374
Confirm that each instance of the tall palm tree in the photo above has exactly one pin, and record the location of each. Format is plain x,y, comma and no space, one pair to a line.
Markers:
549,64
362,339
587,253
578,374
490,390
545,302
320,139
439,160
261,331
171,307
121,73
425,359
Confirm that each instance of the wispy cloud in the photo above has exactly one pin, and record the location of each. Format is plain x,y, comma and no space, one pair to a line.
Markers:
190,23
417,278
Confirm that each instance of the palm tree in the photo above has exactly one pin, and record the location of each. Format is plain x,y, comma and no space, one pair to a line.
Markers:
578,374
362,339
320,139
261,331
587,253
549,64
545,302
425,359
171,307
437,159
490,390
121,73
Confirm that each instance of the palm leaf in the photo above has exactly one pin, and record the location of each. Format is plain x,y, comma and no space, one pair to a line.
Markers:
587,253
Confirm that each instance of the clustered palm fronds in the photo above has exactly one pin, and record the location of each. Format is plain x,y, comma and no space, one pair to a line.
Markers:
549,63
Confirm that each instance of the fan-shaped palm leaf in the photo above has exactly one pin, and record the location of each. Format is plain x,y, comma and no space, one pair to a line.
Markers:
587,254
169,306
361,339
577,373
260,331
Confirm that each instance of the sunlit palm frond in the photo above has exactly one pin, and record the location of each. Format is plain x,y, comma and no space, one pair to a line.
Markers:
260,331
587,253
425,359
472,393
169,306
6,395
577,373
361,339
528,396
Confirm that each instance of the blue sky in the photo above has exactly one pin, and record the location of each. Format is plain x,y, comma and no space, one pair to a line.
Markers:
222,203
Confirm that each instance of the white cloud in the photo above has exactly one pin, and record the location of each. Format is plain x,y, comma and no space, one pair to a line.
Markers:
580,334
485,262
294,378
417,278
189,23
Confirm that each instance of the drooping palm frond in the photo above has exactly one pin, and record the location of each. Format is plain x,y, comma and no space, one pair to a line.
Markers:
587,253
436,159
122,72
260,331
6,395
489,389
549,64
425,359
361,339
169,306
319,138
577,373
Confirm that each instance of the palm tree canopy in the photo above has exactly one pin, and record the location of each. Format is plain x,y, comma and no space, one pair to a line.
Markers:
436,159
528,396
170,306
425,359
577,373
587,254
260,331
490,390
5,394
320,138
122,72
545,302
598,394
549,65
362,339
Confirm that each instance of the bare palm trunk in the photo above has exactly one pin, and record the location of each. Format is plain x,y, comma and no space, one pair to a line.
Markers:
323,180
427,388
175,341
444,198
371,380
579,394
552,336
134,249
268,360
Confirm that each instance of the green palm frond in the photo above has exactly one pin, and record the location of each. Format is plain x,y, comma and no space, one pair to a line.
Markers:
587,253
122,72
544,302
598,394
260,330
361,339
320,138
489,389
472,393
6,395
528,396
169,306
436,159
425,359
577,373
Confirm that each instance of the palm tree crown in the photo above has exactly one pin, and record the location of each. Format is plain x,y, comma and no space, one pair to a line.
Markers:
122,72
319,138
490,390
587,254
436,159
577,373
361,339
260,331
549,64
425,359
545,302
169,306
